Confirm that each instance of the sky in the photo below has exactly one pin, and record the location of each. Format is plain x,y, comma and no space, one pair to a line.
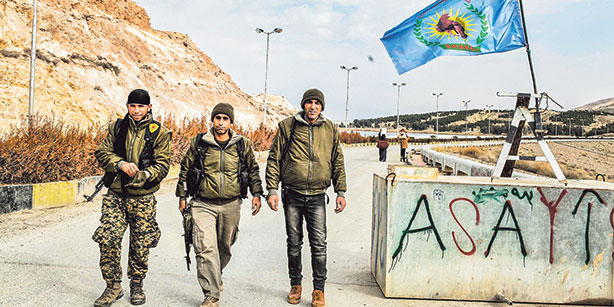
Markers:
571,47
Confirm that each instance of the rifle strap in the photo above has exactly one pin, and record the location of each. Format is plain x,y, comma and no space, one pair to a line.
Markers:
288,139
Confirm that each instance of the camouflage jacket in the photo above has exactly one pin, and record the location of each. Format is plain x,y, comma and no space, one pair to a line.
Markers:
135,143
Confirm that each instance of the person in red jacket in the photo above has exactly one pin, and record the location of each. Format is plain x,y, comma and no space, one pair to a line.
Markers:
382,144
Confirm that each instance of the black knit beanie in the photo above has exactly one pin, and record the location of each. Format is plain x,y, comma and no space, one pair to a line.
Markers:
223,108
310,94
139,96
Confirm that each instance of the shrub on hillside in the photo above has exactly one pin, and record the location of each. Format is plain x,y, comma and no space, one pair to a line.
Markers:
48,149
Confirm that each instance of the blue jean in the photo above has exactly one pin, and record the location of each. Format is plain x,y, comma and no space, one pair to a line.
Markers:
311,208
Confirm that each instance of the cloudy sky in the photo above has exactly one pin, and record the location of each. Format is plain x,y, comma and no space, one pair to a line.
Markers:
571,43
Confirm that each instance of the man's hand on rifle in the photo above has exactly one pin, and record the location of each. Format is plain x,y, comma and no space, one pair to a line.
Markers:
256,204
181,205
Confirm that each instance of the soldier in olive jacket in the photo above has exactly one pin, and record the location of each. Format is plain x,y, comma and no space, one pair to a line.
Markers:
305,157
216,207
138,150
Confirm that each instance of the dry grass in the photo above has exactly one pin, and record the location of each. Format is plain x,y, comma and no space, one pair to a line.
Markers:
50,150
577,160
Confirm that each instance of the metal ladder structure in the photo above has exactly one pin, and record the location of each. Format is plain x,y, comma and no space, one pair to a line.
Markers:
509,153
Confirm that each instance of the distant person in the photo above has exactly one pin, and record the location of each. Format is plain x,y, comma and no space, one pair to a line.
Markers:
135,156
404,143
216,204
305,157
382,144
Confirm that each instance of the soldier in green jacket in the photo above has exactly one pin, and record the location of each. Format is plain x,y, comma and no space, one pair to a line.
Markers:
138,150
216,207
306,156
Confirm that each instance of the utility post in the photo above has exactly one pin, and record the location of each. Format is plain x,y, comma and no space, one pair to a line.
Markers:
398,100
489,106
437,119
32,63
347,94
266,66
466,103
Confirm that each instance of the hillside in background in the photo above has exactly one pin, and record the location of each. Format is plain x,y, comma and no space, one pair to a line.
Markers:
604,105
574,122
92,53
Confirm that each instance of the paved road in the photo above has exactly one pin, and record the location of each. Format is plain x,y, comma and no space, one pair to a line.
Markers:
47,257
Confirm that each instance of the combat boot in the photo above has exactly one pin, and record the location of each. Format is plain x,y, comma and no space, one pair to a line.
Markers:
210,301
137,296
317,298
111,293
294,296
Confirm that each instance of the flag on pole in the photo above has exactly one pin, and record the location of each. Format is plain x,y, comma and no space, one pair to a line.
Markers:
455,27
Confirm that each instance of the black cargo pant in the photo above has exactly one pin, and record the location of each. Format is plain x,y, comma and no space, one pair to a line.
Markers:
311,208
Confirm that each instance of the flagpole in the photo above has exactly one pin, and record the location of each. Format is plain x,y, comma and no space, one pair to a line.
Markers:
526,37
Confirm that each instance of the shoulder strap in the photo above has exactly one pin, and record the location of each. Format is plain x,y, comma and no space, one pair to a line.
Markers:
121,131
201,150
290,137
241,151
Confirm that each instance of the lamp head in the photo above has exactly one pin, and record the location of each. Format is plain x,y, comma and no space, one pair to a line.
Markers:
342,67
355,67
258,30
403,84
278,30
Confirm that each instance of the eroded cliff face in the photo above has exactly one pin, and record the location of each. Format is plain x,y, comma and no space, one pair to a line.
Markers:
91,54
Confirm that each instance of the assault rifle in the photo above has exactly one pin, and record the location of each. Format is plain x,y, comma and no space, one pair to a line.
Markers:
105,181
187,229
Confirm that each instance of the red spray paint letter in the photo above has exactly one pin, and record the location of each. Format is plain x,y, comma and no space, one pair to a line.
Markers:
477,221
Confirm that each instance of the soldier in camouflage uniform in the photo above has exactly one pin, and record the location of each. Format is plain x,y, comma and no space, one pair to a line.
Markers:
138,149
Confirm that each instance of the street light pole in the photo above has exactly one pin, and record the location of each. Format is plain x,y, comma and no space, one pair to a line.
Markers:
398,100
347,94
466,102
489,106
437,119
32,62
569,120
266,67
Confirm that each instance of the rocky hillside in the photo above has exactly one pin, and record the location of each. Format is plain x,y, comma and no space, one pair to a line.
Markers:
604,105
92,53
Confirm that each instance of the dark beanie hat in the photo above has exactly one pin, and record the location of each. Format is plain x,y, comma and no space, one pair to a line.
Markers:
310,94
139,96
223,108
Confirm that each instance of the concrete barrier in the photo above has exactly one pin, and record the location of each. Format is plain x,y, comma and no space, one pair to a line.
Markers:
15,198
470,238
53,194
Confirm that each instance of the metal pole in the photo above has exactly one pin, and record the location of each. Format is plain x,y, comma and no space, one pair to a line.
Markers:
526,37
398,100
347,94
437,119
266,73
569,120
489,106
466,103
266,66
32,62
347,97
